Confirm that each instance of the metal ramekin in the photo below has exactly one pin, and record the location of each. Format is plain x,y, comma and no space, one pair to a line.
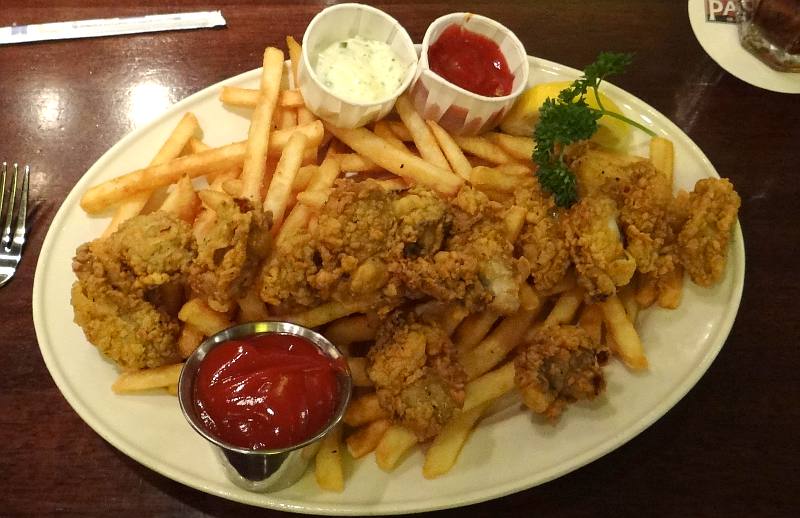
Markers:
262,470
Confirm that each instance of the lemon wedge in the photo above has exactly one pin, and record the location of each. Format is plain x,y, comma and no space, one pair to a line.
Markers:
521,119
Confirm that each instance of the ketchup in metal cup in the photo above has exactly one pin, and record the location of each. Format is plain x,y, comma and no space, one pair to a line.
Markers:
471,61
269,391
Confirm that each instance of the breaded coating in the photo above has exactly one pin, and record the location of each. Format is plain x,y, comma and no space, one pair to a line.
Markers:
417,378
380,246
475,267
596,247
360,231
284,277
117,298
710,212
230,250
645,198
559,366
542,241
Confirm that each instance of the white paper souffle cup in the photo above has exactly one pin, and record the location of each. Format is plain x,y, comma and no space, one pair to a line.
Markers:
456,109
337,23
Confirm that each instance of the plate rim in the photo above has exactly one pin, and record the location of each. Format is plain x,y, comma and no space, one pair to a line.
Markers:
267,500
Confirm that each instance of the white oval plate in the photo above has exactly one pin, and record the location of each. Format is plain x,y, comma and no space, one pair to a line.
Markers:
510,450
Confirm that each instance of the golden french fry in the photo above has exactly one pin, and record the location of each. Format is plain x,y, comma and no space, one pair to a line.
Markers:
189,339
233,187
303,177
567,283
172,390
299,217
310,155
489,386
627,296
364,409
662,155
328,469
106,194
314,131
204,224
280,188
146,379
305,116
482,147
384,131
626,340
358,371
286,118
396,441
171,149
229,179
451,317
197,313
506,336
310,451
182,200
484,177
520,148
421,133
254,165
252,308
394,184
353,162
295,51
398,162
458,162
276,118
366,439
247,98
355,328
443,453
646,291
591,320
566,307
313,199
235,96
446,316
325,313
195,145
400,130
473,329
671,289
513,222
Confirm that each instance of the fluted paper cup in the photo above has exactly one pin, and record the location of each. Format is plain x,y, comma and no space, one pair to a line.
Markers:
338,23
456,109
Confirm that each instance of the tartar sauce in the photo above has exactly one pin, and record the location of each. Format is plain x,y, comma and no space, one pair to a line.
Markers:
360,70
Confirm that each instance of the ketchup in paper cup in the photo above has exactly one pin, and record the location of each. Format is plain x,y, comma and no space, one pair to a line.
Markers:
334,25
264,393
468,97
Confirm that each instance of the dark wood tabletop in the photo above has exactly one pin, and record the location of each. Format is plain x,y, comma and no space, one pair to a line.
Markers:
729,448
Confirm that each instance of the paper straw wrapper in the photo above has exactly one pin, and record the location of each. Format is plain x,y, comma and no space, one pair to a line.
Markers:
454,108
110,27
338,23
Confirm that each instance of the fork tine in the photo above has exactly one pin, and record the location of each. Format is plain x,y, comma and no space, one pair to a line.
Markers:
22,214
6,241
3,189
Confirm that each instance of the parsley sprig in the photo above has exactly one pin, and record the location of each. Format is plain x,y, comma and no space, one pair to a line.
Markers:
568,119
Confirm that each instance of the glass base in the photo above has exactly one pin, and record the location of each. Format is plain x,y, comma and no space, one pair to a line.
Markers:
753,39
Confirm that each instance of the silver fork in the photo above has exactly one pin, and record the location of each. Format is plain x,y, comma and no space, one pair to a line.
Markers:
13,211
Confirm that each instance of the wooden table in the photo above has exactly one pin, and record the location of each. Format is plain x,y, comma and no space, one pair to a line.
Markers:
729,448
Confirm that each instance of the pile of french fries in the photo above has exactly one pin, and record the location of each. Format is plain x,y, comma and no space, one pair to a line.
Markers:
288,164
